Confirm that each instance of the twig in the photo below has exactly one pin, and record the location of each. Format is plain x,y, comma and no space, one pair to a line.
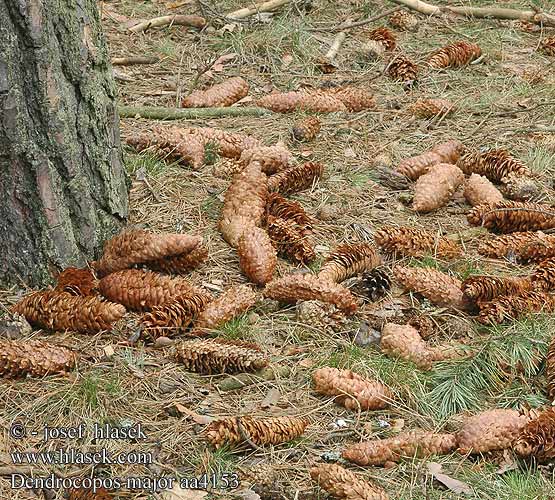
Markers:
160,22
244,435
264,7
128,61
356,24
159,113
527,130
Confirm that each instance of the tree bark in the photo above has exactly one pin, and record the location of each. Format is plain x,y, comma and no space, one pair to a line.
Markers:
61,171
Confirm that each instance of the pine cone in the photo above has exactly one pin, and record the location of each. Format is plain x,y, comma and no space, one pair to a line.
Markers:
228,144
230,304
372,50
174,317
282,208
295,179
543,277
403,20
320,315
455,55
509,307
216,356
223,94
434,189
490,430
261,431
257,256
349,260
306,129
272,159
404,341
342,483
180,264
485,288
289,239
385,36
411,444
537,437
407,241
402,69
77,282
34,358
513,216
353,391
140,290
479,190
526,246
548,46
424,324
428,108
355,99
295,287
437,287
137,247
62,311
550,369
373,285
280,102
520,187
446,152
89,494
495,164
319,101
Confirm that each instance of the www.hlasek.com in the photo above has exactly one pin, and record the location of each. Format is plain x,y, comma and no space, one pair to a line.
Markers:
73,456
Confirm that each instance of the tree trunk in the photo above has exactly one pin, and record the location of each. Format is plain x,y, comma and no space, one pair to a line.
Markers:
62,179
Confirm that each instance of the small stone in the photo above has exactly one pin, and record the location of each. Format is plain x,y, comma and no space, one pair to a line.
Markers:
163,342
366,336
327,212
253,318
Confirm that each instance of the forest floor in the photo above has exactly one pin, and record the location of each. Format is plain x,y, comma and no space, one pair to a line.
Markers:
499,102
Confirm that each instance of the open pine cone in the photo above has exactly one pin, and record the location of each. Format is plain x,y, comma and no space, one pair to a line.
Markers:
295,179
384,36
372,285
513,216
495,164
455,55
280,207
446,152
77,282
512,307
435,188
485,288
520,187
428,108
479,190
548,46
306,129
257,256
543,277
349,259
403,20
222,94
537,437
401,68
524,246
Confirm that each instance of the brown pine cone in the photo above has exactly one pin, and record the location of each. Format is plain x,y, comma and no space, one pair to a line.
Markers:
548,46
543,277
89,494
228,144
282,208
537,437
428,108
320,101
216,356
320,315
233,302
404,341
485,288
349,259
520,187
307,129
295,287
77,282
62,311
434,189
180,264
261,431
513,216
446,152
137,247
403,20
479,190
222,94
424,324
141,290
437,287
174,317
34,358
371,50
289,240
490,430
495,164
342,483
407,241
411,444
455,55
353,391
272,159
257,256
385,36
550,369
525,246
295,179
401,68
355,99
280,102
510,307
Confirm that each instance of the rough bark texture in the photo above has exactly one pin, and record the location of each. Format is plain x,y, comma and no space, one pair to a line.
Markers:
61,172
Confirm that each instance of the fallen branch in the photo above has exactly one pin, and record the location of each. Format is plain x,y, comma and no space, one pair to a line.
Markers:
129,61
160,22
158,113
264,7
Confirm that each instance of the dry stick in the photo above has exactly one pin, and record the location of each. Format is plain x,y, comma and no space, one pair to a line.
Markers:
159,22
128,61
159,113
264,7
349,26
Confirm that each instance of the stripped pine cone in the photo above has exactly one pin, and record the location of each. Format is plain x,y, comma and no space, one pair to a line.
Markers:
434,189
320,315
437,287
295,179
537,437
509,308
543,277
520,188
513,216
289,240
306,129
447,152
455,55
402,69
548,46
550,369
404,341
215,356
174,317
384,36
428,108
257,256
355,99
272,159
353,391
89,494
282,208
319,101
180,264
495,164
373,284
485,288
407,241
62,311
349,260
490,430
140,290
403,20
223,94
342,483
372,50
479,190
138,247
34,358
411,444
526,246
77,282
227,306
261,431
295,287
